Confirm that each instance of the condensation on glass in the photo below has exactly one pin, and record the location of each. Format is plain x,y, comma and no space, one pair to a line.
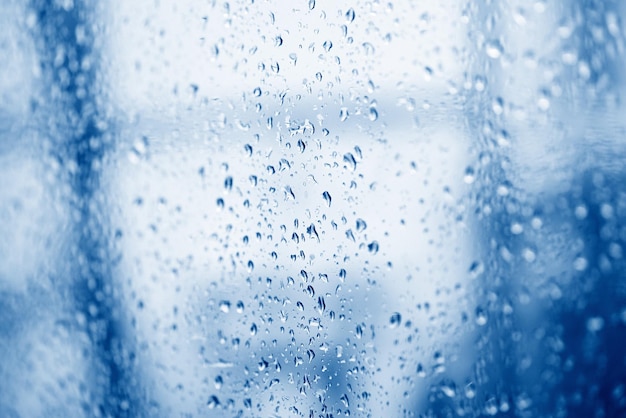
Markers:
312,208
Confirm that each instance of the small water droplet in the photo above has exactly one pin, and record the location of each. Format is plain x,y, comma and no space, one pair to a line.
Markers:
448,388
359,331
301,145
395,320
257,92
350,15
253,329
494,49
373,114
219,381
327,45
360,225
349,159
213,402
595,324
372,247
318,76
327,198
220,203
343,114
224,306
476,269
469,176
342,275
311,4
369,48
228,183
481,316
278,41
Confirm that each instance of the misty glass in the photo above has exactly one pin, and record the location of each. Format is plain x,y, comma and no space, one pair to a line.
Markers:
312,208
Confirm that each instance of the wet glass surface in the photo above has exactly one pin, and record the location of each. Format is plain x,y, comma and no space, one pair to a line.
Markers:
312,209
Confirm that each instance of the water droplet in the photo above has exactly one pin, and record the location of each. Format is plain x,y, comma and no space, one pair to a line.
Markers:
220,203
448,388
359,331
360,225
275,67
343,114
278,41
240,307
342,275
494,49
318,76
595,324
224,306
253,329
369,48
470,175
373,114
517,228
481,316
372,247
327,45
350,15
228,183
349,159
580,264
327,198
257,92
248,149
311,4
213,402
289,194
395,320
219,381
476,269
301,145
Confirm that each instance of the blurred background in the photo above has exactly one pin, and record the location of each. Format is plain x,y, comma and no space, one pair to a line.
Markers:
313,208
